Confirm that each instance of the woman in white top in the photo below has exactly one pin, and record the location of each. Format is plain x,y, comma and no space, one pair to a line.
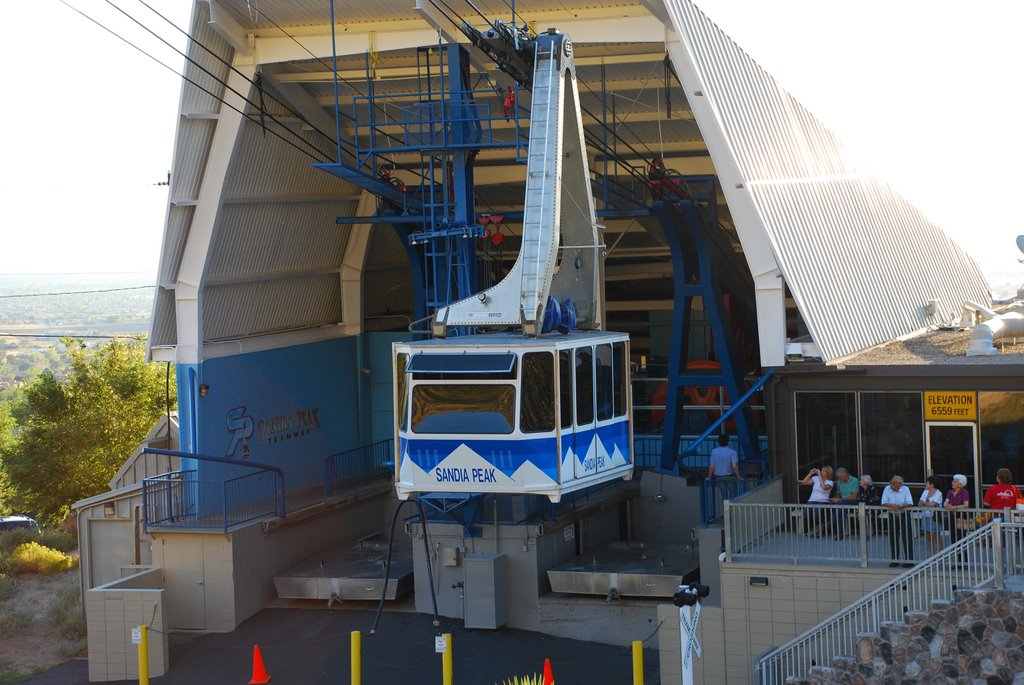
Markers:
821,484
931,498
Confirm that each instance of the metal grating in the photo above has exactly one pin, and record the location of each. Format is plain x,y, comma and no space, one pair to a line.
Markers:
860,261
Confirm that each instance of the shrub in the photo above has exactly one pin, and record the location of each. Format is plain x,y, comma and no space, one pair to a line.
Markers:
58,539
66,612
12,621
31,557
13,538
7,587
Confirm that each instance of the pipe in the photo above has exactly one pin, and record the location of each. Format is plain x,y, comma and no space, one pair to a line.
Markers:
974,313
1008,325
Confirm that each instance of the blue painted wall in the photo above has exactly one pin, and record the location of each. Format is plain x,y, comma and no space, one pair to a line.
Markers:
290,407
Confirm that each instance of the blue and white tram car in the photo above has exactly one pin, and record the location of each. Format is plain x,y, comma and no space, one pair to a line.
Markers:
500,413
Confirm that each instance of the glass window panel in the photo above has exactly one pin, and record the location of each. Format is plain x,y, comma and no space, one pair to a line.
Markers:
603,376
565,388
537,411
472,409
892,435
1002,434
621,378
826,429
402,389
584,386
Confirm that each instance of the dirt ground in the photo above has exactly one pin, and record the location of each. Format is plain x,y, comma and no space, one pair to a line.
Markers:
31,641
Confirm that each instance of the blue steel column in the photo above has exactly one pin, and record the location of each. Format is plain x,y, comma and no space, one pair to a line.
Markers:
699,280
463,117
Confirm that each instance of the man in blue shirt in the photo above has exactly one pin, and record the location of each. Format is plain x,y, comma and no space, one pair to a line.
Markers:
724,461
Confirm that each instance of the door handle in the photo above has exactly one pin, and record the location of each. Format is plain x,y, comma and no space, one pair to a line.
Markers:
199,582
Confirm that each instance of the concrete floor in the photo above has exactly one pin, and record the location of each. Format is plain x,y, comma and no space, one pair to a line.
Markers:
311,647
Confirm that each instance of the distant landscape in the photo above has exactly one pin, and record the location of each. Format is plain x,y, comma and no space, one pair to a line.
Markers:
27,309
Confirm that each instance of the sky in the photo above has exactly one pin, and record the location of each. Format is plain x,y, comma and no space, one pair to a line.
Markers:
926,91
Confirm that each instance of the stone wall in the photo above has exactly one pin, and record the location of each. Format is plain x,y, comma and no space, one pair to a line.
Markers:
976,637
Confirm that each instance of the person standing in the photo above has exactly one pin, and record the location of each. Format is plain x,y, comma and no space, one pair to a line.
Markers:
821,484
1004,494
896,499
931,498
958,498
845,492
724,460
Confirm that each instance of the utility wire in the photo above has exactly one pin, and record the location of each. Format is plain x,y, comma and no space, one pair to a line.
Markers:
199,66
78,292
138,336
187,79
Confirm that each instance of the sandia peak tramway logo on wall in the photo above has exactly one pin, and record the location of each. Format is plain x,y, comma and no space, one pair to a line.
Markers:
269,430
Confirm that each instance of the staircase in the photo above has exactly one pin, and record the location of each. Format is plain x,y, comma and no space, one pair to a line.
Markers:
989,559
974,635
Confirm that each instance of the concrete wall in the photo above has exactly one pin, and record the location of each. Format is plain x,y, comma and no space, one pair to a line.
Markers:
517,543
111,611
257,556
288,407
754,619
670,520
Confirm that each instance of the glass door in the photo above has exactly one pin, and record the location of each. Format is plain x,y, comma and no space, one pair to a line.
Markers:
953,448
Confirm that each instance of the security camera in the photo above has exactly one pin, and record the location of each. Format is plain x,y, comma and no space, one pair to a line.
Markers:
687,595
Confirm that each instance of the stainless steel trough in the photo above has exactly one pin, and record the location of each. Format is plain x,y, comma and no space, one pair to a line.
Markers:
347,574
633,570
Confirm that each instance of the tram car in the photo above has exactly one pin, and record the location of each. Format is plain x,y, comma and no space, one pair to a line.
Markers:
500,413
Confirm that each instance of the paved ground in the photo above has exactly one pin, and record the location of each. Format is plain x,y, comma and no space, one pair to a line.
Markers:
311,647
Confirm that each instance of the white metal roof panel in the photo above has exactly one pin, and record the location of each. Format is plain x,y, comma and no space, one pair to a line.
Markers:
860,261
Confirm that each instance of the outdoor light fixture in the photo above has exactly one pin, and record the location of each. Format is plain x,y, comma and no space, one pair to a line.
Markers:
108,509
204,390
758,581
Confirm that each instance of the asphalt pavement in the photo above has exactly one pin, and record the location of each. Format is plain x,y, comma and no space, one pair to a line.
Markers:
311,647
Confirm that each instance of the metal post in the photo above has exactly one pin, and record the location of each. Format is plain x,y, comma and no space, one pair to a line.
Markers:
728,533
862,521
638,662
144,655
446,660
997,553
356,658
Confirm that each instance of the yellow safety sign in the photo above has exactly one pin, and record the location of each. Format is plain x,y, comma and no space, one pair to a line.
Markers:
951,406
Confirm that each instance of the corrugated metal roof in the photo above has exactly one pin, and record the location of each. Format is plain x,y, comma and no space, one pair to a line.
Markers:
248,309
860,261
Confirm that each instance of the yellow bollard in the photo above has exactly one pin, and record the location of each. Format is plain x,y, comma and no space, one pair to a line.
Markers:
357,658
144,655
446,660
638,662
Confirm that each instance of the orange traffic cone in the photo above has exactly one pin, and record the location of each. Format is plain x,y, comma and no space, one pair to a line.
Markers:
259,672
549,678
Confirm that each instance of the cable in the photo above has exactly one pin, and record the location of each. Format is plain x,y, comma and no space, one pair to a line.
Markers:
257,107
140,336
387,564
187,79
78,292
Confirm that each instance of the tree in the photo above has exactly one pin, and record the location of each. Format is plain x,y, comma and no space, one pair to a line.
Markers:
8,442
78,430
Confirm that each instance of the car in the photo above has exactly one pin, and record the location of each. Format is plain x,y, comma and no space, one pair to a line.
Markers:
8,523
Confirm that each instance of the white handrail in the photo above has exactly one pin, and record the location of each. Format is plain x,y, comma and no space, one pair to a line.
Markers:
976,560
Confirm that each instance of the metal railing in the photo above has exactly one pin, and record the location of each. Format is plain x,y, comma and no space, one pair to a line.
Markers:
983,557
358,465
803,533
715,493
179,499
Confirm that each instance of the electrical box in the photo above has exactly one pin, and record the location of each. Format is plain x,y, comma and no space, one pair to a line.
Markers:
449,556
485,588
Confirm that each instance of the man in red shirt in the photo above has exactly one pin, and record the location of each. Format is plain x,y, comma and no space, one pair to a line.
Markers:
1004,494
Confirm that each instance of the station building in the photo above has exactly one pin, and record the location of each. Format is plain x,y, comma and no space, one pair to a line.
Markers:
771,289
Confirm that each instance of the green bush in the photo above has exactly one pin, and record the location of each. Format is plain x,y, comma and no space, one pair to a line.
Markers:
31,557
66,612
12,621
7,587
58,539
13,538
